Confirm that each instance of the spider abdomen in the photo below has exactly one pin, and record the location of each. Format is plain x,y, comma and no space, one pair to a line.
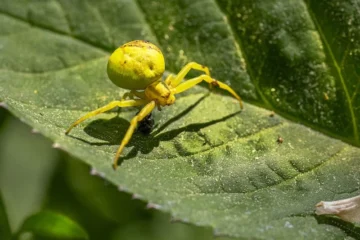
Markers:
135,65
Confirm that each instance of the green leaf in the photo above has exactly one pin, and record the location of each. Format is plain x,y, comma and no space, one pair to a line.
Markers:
53,225
206,162
30,156
99,197
5,231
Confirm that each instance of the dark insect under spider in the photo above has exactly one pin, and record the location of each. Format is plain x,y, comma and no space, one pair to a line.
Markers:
146,125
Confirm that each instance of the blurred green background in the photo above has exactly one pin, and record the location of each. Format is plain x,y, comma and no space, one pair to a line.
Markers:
35,176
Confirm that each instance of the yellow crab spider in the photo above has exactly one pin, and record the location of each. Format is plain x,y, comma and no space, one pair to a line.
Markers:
139,65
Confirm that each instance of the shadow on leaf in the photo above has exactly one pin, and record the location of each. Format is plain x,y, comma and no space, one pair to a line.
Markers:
112,131
348,228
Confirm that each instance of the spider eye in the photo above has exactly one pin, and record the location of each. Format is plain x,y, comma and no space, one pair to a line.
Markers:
166,95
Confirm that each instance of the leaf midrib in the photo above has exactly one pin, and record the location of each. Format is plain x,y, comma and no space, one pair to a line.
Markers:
249,70
64,69
338,70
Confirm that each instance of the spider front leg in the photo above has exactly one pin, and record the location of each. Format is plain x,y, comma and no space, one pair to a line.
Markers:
111,105
133,123
192,82
185,70
168,80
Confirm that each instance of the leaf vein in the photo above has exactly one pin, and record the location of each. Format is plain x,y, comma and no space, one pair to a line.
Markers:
73,67
65,16
149,26
286,180
337,68
242,54
82,40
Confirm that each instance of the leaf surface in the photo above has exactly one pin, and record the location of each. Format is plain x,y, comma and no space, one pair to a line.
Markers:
206,162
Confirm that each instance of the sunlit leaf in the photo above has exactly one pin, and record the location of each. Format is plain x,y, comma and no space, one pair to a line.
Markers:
206,162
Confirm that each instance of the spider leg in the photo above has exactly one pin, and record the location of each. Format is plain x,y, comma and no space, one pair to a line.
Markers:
192,65
168,80
111,105
133,123
192,82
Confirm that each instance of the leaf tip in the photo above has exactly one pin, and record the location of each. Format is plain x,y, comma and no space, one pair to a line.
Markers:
57,146
34,131
136,196
3,105
153,206
95,172
122,189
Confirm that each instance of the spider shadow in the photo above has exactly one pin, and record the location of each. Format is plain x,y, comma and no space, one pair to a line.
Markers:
348,228
113,130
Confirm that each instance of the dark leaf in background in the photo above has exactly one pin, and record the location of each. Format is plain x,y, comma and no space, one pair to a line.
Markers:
27,163
5,231
52,225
